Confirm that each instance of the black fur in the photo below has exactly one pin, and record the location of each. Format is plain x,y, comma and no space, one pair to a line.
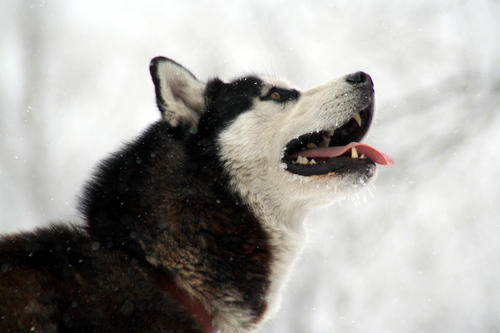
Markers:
151,190
148,208
58,279
225,102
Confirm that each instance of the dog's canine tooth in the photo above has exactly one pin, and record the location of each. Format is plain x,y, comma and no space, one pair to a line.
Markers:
357,117
354,152
325,142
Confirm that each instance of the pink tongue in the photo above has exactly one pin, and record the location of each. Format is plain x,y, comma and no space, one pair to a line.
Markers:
329,152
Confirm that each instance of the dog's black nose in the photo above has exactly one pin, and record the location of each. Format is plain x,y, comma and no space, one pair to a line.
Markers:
359,78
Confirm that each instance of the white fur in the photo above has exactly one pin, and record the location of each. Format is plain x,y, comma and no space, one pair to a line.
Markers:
252,148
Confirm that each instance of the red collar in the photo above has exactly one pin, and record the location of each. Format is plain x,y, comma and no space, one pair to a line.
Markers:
192,305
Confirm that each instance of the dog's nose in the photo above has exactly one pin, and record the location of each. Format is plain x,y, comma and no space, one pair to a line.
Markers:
359,78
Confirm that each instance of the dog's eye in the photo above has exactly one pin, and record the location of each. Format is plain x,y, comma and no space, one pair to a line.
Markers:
275,95
280,95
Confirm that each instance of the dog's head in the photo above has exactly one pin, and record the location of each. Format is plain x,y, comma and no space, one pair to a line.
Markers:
284,150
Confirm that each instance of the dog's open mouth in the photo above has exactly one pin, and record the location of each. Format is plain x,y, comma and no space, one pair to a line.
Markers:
335,150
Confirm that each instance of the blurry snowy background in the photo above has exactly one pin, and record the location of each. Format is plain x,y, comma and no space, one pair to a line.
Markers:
419,251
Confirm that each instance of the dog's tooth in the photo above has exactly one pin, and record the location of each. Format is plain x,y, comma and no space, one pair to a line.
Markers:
325,142
311,145
329,133
302,160
363,156
312,161
354,152
357,117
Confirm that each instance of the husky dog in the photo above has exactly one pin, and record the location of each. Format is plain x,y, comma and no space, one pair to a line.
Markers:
195,225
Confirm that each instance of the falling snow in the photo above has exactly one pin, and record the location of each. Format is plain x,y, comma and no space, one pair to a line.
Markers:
420,253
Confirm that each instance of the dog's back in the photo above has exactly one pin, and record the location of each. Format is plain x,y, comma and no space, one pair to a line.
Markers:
57,279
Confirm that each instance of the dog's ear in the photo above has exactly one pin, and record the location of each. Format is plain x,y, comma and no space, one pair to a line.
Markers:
179,94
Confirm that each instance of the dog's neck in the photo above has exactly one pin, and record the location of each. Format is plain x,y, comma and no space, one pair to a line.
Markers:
192,305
